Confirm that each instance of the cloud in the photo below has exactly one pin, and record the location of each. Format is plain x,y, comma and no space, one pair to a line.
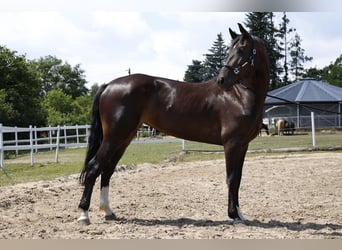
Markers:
126,24
106,43
320,34
42,33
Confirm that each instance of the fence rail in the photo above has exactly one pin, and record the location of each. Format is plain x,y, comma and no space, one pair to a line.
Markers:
47,138
32,139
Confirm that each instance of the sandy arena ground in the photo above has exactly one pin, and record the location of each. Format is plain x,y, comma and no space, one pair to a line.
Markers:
281,196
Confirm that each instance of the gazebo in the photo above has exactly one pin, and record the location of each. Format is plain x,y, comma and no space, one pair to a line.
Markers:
306,96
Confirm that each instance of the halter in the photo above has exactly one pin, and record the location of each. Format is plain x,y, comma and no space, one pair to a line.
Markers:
237,69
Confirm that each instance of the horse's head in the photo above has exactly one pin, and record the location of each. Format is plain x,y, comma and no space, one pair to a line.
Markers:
240,65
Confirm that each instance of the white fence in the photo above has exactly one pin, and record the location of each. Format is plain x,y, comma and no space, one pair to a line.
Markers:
33,139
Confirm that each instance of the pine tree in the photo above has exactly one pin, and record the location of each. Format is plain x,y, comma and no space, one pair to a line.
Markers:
215,59
298,58
283,34
261,24
195,72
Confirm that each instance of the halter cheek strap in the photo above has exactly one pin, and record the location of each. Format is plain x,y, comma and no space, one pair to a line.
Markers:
237,69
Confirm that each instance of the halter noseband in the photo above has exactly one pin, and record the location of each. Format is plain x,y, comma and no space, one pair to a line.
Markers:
237,69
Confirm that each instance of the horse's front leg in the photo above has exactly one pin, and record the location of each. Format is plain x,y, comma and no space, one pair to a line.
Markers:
235,155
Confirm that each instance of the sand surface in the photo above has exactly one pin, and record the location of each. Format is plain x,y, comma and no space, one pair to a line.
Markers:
281,196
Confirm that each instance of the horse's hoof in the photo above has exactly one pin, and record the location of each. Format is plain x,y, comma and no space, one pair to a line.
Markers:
236,215
238,221
110,217
83,222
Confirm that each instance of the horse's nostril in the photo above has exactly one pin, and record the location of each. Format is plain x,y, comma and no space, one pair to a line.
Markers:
221,81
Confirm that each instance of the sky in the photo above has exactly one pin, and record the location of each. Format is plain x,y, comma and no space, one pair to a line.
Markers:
108,40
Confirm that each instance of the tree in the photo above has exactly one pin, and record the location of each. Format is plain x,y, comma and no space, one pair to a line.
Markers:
81,110
20,95
56,75
215,59
59,107
195,72
94,88
314,73
63,110
261,24
331,73
297,57
283,34
7,113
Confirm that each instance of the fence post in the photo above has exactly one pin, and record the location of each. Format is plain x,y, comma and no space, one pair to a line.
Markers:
65,136
16,140
87,134
57,143
50,137
183,144
77,139
339,113
31,145
1,149
313,129
36,138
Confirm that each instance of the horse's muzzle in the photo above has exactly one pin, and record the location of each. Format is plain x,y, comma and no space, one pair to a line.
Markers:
220,81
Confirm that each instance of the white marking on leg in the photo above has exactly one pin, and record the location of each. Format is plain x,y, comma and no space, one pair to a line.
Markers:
84,216
239,213
104,201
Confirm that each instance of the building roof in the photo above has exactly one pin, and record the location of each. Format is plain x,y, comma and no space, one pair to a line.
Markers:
306,90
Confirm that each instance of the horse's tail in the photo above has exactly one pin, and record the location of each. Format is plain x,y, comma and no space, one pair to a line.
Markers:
96,135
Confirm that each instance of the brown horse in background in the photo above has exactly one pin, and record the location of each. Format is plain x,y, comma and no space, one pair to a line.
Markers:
283,126
226,110
280,126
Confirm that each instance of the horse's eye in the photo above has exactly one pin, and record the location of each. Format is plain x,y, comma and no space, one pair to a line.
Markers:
240,50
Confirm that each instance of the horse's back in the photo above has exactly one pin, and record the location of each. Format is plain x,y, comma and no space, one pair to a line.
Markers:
155,91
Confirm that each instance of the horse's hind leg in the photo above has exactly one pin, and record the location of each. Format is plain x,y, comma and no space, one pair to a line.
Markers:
107,172
103,163
90,179
110,152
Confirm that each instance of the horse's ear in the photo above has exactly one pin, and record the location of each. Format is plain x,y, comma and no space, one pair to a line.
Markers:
244,32
232,34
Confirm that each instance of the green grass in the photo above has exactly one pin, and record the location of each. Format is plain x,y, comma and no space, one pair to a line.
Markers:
150,153
23,172
273,142
71,160
296,141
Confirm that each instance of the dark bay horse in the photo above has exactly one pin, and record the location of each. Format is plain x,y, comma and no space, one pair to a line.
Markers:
226,110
